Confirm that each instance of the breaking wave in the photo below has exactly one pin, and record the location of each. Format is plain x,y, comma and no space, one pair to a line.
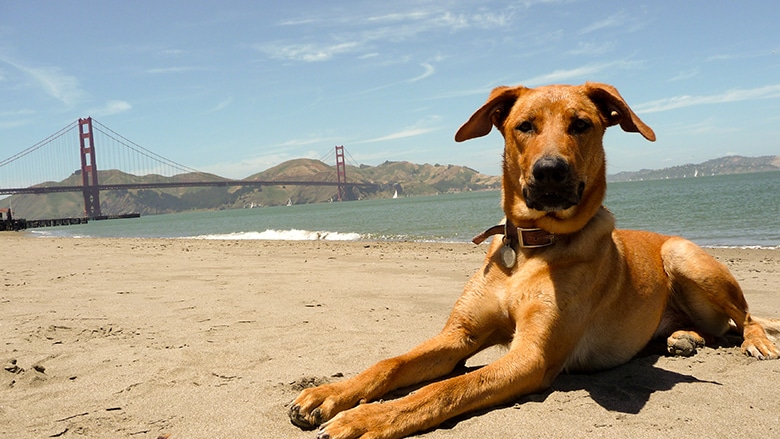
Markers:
286,235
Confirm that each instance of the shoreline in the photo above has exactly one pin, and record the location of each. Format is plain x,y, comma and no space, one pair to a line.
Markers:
295,235
142,337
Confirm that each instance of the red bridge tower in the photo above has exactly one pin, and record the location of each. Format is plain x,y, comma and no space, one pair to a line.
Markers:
89,173
341,171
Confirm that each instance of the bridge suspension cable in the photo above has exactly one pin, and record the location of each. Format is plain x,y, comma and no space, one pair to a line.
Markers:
329,157
39,145
51,159
113,135
55,158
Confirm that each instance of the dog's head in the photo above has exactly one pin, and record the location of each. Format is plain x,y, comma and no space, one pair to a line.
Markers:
554,174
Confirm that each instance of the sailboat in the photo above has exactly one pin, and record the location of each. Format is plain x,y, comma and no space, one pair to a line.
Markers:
395,195
289,202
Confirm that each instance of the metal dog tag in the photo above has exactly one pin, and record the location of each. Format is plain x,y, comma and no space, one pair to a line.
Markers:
508,256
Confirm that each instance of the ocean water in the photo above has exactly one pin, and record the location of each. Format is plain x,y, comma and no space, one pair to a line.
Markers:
714,211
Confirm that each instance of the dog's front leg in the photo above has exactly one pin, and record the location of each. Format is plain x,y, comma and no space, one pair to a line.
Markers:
519,372
432,359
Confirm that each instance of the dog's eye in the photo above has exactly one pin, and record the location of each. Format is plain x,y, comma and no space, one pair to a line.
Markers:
525,127
579,126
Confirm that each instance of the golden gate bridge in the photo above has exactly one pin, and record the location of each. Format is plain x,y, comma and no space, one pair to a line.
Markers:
53,159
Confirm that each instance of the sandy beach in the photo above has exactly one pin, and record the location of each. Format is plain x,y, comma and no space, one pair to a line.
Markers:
143,338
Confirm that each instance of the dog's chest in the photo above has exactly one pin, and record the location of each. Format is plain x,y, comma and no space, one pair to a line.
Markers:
526,282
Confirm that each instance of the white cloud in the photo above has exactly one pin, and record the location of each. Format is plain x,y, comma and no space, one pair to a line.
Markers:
309,141
60,86
686,74
735,95
744,54
556,76
411,132
110,108
308,52
611,21
489,20
583,72
163,70
53,81
221,105
353,34
600,48
170,52
420,128
429,70
400,16
299,21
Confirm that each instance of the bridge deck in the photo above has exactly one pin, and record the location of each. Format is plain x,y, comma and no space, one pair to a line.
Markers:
220,183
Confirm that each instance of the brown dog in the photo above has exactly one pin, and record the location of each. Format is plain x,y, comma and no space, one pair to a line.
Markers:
562,288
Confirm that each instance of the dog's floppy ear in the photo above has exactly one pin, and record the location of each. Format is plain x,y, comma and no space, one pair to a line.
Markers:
495,110
616,110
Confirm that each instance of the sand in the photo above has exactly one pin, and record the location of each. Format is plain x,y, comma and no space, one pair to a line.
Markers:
143,338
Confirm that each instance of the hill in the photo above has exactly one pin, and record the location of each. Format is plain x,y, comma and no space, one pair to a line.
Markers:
143,201
412,179
407,179
403,178
721,166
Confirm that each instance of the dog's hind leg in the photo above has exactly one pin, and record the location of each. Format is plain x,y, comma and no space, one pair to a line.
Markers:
705,291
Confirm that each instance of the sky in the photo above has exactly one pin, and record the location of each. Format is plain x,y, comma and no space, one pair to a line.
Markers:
236,87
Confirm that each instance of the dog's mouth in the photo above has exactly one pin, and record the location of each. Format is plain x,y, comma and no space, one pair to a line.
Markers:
553,199
552,185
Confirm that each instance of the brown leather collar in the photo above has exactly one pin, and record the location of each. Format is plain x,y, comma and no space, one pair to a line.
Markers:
522,238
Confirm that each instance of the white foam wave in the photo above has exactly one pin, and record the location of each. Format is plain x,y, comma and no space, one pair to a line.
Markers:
744,247
54,234
285,235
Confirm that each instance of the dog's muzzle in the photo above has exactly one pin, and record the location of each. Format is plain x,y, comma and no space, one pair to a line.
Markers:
553,186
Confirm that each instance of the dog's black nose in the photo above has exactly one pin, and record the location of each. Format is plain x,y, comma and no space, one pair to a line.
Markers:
550,170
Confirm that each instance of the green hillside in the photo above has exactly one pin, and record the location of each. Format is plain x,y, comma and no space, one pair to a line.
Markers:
407,179
720,166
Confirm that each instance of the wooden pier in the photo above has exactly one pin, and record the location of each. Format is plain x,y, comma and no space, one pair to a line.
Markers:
9,223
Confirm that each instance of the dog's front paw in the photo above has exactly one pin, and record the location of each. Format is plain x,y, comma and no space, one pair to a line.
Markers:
761,348
306,420
684,343
319,404
375,420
